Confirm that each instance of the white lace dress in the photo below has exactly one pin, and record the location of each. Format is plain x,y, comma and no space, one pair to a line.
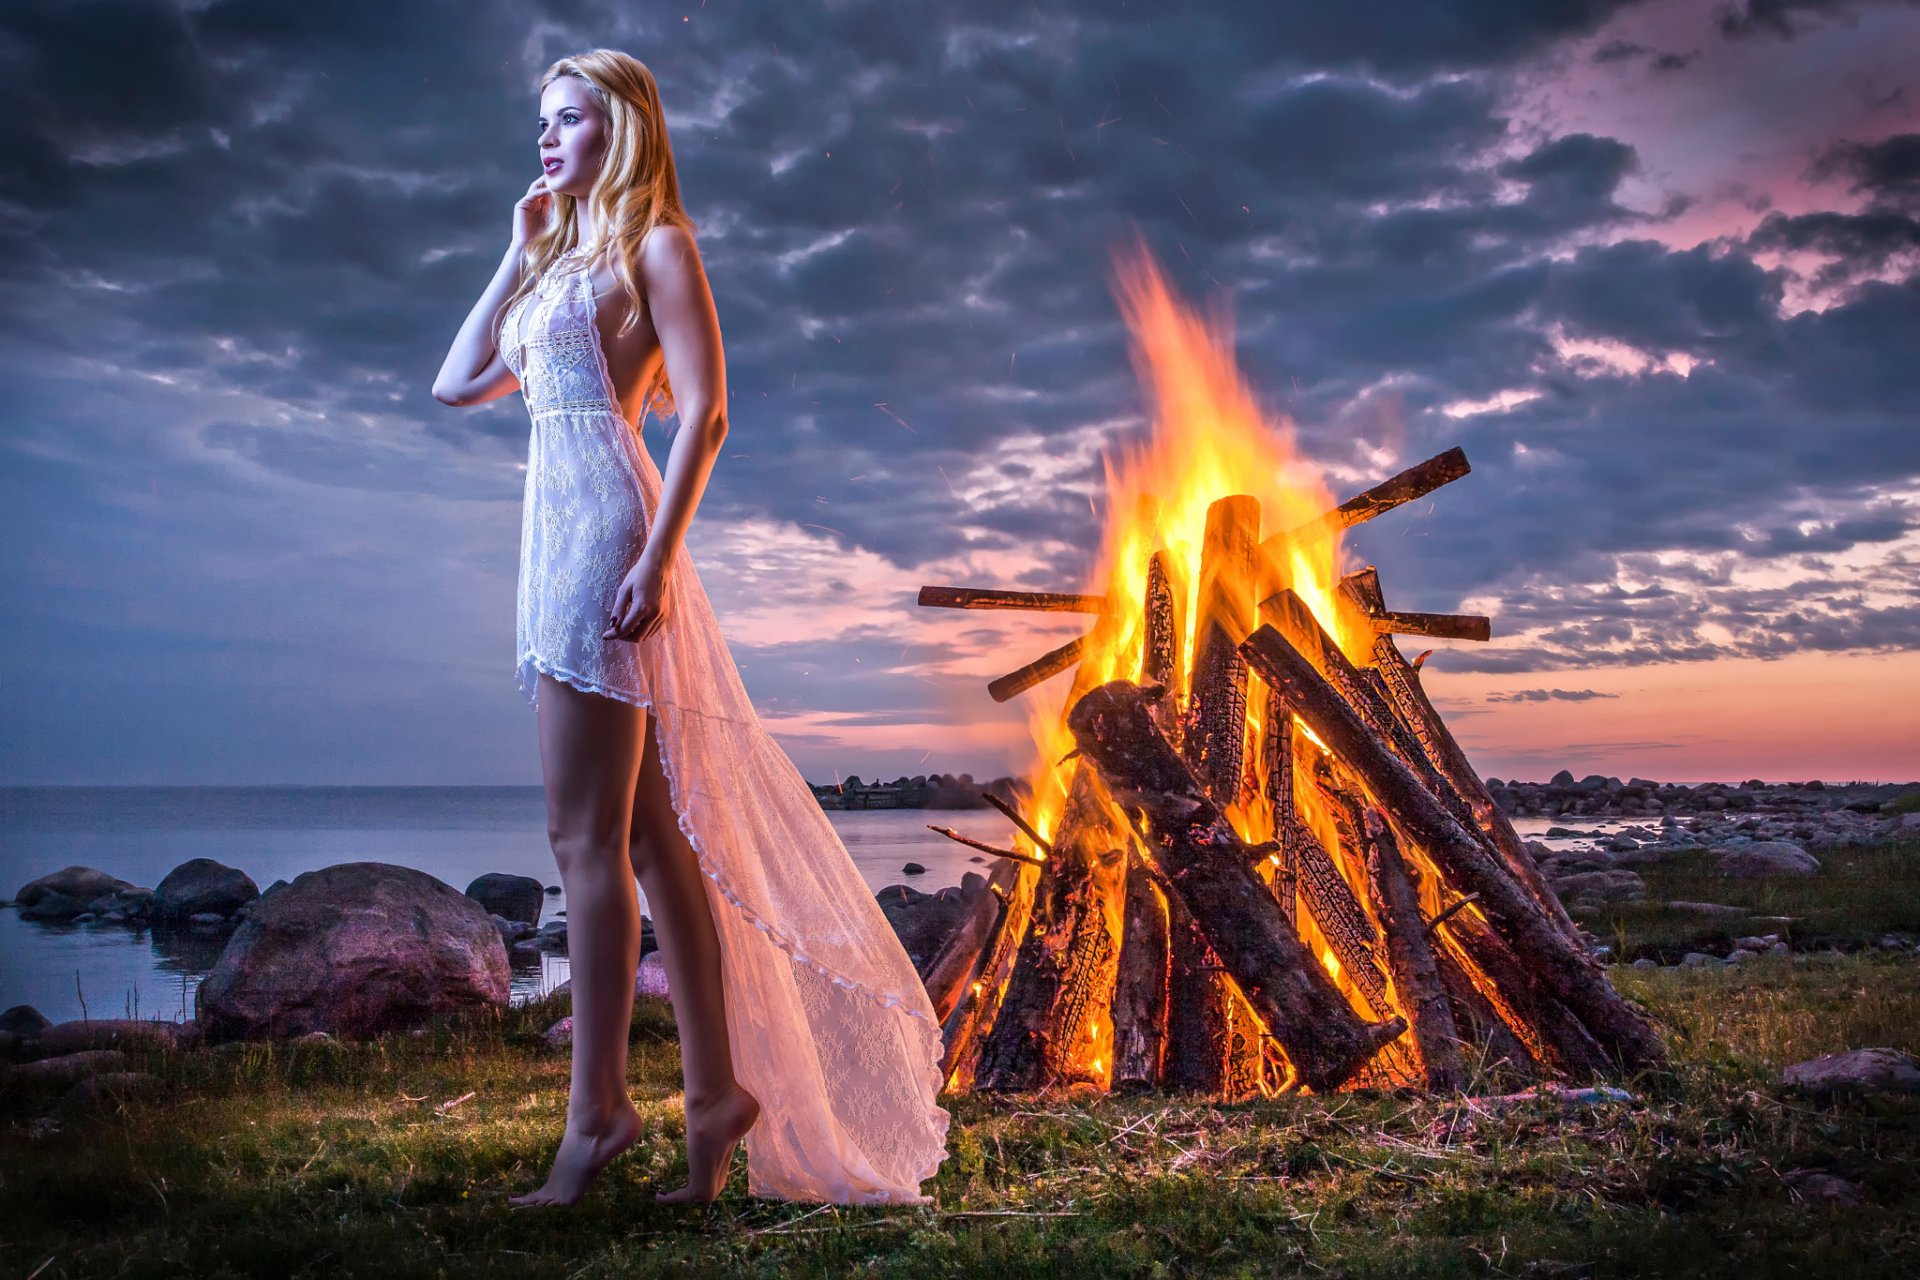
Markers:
830,1025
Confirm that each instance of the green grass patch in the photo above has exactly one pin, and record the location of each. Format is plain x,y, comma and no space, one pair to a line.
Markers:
341,1159
1859,894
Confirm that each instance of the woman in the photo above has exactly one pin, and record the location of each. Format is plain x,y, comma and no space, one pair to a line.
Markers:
804,1031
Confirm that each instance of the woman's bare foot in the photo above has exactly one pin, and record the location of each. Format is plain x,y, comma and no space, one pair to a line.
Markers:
582,1155
713,1131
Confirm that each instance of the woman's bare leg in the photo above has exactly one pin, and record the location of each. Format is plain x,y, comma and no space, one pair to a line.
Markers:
590,756
719,1111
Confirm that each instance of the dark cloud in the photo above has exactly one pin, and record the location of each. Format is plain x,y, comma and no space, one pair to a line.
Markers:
1787,18
231,263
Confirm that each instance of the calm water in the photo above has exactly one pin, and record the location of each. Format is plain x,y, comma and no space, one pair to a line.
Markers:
456,833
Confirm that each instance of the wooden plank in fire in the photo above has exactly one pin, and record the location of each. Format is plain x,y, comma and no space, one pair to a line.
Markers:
1401,681
990,598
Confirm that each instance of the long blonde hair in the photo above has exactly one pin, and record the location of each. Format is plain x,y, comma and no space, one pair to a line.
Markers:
637,188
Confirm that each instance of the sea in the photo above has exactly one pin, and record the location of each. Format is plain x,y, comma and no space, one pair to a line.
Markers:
103,969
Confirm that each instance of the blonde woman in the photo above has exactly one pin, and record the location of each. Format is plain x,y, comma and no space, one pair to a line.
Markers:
804,1031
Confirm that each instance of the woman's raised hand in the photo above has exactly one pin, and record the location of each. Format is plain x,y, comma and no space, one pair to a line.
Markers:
531,213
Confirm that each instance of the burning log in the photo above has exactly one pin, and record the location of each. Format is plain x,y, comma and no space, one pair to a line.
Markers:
1550,1031
1164,632
1290,615
1410,958
1493,1045
979,1002
987,598
1416,481
1446,626
1045,1031
1209,868
1040,670
1519,919
1140,991
983,846
1217,705
1276,744
956,963
1402,684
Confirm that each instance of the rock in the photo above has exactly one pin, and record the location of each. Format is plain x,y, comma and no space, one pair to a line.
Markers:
1601,886
651,977
85,917
552,937
1859,1071
1564,778
1708,909
1753,944
913,869
1815,1186
922,921
525,950
207,920
66,1067
552,891
1779,949
1644,963
53,906
560,1034
1766,858
510,931
1697,960
24,1020
76,885
113,1033
357,949
108,1089
512,897
201,886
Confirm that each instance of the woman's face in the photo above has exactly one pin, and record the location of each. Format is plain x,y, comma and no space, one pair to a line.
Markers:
573,137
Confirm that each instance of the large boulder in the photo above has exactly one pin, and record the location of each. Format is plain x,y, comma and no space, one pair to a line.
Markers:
357,950
922,921
112,1033
67,892
510,897
1766,858
201,886
1857,1072
1600,886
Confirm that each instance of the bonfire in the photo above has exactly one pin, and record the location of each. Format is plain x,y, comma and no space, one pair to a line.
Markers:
1252,858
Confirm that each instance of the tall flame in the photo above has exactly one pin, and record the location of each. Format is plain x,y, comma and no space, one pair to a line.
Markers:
1210,438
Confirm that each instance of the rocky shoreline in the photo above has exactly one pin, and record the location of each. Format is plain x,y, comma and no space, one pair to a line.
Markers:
362,949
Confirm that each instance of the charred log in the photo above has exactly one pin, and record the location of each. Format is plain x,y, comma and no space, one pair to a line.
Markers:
1402,685
1063,977
1210,870
1410,957
988,598
1217,705
1140,991
1462,859
956,963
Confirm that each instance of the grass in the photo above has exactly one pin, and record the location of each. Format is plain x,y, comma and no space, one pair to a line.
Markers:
341,1159
1860,894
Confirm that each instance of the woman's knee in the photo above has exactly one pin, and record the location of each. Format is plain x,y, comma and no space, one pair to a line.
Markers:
581,845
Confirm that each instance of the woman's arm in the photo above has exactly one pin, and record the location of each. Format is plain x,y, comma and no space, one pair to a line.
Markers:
473,372
683,315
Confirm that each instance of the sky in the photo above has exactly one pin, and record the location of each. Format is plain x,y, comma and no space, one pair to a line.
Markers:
1651,265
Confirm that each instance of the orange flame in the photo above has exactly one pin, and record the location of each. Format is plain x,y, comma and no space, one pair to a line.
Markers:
1210,439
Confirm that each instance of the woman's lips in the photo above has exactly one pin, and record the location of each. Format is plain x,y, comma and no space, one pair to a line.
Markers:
552,166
